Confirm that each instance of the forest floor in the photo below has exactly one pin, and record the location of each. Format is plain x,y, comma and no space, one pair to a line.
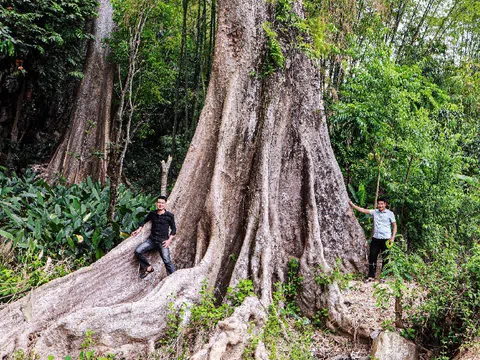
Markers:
367,318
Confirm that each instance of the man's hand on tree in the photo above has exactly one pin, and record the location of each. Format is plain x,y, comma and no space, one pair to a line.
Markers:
167,243
136,232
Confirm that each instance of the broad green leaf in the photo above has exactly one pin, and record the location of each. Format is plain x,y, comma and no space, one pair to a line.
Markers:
7,235
71,243
18,221
40,198
59,237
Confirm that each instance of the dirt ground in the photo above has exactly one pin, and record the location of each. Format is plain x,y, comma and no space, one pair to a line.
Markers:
367,317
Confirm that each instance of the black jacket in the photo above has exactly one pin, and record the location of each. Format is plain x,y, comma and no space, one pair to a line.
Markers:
160,225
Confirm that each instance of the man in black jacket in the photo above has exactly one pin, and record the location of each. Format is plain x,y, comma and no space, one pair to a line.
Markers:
160,237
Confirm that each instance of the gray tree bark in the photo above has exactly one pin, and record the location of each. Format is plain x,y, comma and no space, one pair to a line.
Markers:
165,169
259,181
83,150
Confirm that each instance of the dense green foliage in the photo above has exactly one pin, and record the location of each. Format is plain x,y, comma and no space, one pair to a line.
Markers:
403,115
448,287
34,27
67,224
173,70
42,49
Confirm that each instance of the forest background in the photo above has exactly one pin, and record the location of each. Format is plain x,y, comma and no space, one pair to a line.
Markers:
401,86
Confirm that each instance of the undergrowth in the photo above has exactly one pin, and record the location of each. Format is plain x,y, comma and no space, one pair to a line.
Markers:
446,292
48,231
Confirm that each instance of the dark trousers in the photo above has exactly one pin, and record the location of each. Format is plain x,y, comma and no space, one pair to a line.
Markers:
149,245
377,246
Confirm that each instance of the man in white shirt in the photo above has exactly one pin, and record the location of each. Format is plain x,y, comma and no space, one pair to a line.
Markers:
383,221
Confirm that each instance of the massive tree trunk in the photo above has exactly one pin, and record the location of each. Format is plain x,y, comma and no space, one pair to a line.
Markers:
83,150
259,181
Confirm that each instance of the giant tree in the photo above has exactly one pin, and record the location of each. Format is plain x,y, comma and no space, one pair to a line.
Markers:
259,182
83,150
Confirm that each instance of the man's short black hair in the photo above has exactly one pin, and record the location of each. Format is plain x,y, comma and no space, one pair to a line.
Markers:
163,197
384,199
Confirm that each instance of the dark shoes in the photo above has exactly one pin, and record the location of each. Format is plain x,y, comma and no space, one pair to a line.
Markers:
144,274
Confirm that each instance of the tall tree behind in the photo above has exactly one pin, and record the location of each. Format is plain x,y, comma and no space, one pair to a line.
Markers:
83,151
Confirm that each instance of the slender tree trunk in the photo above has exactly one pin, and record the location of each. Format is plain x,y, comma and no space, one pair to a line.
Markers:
407,29
17,121
405,183
165,169
211,40
126,110
445,24
422,21
181,62
259,181
378,182
400,12
198,82
398,312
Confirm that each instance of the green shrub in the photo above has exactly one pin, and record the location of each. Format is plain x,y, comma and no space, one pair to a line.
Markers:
324,278
65,220
275,59
291,287
237,294
447,278
206,314
450,312
65,223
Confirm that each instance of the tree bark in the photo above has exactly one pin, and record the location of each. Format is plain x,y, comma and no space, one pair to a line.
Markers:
83,150
17,122
165,169
259,181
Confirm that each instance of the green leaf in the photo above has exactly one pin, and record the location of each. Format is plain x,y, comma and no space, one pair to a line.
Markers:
6,190
38,231
71,243
95,192
353,192
96,238
6,234
59,237
40,198
18,221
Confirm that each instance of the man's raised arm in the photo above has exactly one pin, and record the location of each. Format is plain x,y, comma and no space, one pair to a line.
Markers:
362,210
